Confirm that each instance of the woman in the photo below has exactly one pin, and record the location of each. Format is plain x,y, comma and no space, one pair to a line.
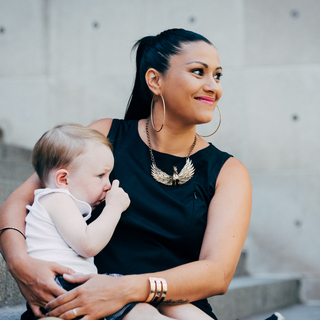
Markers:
190,203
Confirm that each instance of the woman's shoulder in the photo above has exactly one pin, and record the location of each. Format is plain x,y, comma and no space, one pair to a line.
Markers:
234,171
224,165
102,125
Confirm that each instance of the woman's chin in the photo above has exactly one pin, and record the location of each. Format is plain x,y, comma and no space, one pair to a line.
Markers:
206,119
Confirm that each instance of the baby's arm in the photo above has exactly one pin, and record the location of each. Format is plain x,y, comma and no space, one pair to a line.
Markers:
86,240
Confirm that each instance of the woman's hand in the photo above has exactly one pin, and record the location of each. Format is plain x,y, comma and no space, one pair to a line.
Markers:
99,296
35,279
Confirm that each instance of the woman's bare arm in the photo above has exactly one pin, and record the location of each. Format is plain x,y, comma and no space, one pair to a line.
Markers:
228,222
12,214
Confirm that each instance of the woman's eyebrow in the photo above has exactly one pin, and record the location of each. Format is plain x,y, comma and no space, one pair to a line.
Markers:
204,64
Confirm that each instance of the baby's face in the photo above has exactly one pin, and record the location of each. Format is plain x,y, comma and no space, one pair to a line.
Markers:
88,178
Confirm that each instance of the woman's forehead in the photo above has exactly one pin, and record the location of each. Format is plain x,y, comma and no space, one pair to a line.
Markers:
198,51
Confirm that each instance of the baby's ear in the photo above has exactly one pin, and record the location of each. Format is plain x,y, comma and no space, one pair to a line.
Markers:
61,178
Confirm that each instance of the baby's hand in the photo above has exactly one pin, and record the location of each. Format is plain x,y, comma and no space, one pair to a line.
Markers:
116,197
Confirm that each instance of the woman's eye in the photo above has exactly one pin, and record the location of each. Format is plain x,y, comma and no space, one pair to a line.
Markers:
198,72
217,76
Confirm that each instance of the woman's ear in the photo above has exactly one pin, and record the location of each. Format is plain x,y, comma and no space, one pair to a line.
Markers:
61,178
153,80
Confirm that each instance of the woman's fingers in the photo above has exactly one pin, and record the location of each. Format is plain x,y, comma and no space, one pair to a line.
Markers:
77,278
38,302
99,296
36,282
67,301
59,269
73,313
62,303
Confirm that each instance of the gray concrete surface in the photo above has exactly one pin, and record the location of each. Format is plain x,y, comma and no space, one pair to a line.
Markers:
297,312
250,295
12,312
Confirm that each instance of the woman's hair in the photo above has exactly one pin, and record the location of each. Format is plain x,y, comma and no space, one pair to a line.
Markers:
155,52
58,147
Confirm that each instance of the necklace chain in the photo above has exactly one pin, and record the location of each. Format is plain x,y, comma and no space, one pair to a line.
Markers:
185,174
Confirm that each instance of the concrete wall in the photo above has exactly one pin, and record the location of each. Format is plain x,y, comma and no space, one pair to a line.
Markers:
70,61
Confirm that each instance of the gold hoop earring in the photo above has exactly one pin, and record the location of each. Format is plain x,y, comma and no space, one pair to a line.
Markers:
164,114
218,125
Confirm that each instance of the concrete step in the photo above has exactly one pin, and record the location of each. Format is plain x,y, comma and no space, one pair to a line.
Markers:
12,312
15,170
13,152
7,186
9,290
242,266
296,312
252,295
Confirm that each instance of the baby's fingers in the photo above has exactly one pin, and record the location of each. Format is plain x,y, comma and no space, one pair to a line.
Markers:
115,184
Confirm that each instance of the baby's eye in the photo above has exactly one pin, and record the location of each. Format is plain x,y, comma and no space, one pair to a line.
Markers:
101,175
198,71
218,76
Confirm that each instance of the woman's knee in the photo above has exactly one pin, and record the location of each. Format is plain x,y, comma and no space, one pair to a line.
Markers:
145,311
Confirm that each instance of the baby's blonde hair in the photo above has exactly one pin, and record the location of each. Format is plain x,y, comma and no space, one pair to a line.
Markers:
58,147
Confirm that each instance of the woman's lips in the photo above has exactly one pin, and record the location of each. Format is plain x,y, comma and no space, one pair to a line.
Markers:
207,100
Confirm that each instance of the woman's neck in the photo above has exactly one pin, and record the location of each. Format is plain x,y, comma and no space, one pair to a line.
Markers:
171,140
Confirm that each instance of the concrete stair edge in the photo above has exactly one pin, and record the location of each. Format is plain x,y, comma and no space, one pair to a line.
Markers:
295,312
15,170
7,187
8,151
9,290
251,295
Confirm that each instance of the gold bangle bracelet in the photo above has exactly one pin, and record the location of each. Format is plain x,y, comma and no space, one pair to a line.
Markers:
12,228
160,292
152,290
164,290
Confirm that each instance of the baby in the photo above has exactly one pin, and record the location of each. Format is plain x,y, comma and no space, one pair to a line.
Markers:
73,163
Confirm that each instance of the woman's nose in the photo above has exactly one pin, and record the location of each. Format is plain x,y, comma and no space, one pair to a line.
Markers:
211,84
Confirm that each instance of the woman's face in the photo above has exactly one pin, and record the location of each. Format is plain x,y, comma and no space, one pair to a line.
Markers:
191,86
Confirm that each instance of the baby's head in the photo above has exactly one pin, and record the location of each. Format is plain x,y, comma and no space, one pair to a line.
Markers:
63,147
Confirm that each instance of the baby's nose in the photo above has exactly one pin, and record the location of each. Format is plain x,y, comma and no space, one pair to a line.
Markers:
107,186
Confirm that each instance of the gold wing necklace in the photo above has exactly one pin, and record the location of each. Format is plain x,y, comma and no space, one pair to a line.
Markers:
181,177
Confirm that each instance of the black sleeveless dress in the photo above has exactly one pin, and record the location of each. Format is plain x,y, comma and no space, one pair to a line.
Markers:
164,225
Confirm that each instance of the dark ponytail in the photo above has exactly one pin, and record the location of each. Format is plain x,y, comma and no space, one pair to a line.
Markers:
154,52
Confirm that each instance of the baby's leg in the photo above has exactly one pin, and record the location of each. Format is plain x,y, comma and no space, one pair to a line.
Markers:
184,312
144,311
